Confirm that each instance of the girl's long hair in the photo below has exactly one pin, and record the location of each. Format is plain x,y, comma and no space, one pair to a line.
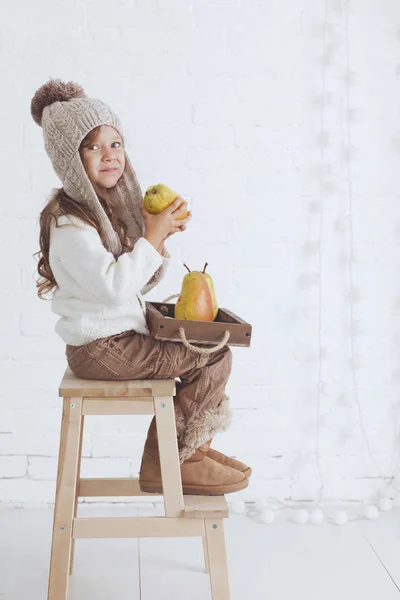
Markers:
62,204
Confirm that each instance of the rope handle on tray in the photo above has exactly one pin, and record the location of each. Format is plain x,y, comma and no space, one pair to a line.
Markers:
195,348
204,350
170,297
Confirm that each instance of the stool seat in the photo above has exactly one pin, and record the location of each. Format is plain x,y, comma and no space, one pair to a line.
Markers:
185,516
130,388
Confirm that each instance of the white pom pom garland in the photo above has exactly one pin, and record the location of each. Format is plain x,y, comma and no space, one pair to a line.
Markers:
340,518
316,516
371,512
301,516
267,516
385,504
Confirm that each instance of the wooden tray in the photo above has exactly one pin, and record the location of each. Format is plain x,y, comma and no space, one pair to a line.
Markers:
163,326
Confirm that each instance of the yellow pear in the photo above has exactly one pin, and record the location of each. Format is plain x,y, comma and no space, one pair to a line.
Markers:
195,302
211,286
158,197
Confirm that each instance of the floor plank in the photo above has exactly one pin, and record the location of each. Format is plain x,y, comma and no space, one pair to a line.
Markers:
383,536
277,561
286,560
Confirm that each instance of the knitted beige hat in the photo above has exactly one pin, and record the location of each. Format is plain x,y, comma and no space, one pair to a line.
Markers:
66,115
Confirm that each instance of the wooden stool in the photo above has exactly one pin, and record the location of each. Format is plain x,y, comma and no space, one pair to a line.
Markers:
185,516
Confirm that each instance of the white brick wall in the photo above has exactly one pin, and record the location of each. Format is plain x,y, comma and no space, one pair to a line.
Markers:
280,120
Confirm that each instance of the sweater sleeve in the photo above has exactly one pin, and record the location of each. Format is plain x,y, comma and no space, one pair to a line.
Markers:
79,250
159,274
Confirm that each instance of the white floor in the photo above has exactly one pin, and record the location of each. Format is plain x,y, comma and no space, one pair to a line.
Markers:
281,561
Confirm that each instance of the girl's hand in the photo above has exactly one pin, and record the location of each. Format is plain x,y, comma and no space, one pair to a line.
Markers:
177,213
159,227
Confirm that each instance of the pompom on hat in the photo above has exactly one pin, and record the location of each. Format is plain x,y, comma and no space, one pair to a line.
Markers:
66,115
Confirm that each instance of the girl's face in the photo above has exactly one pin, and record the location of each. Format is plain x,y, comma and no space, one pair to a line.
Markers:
103,157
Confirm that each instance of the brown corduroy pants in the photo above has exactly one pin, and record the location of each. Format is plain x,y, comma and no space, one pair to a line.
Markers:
200,393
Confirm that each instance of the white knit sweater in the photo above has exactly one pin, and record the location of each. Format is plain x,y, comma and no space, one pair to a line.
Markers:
96,295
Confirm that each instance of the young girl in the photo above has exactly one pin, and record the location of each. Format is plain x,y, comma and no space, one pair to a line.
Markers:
100,252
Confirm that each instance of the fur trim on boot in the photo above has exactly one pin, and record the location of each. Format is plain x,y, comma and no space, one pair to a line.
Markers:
203,426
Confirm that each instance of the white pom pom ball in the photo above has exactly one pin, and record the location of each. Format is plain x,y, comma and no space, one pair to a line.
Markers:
340,518
238,508
267,516
385,504
301,516
316,516
371,512
260,504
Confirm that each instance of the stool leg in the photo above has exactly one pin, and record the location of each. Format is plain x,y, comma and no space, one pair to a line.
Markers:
65,498
218,565
205,551
169,457
78,475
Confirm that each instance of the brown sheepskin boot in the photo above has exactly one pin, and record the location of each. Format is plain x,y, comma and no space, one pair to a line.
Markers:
200,474
222,459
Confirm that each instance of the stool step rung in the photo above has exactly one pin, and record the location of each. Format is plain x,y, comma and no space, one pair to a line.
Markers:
122,486
205,507
136,527
196,507
118,406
